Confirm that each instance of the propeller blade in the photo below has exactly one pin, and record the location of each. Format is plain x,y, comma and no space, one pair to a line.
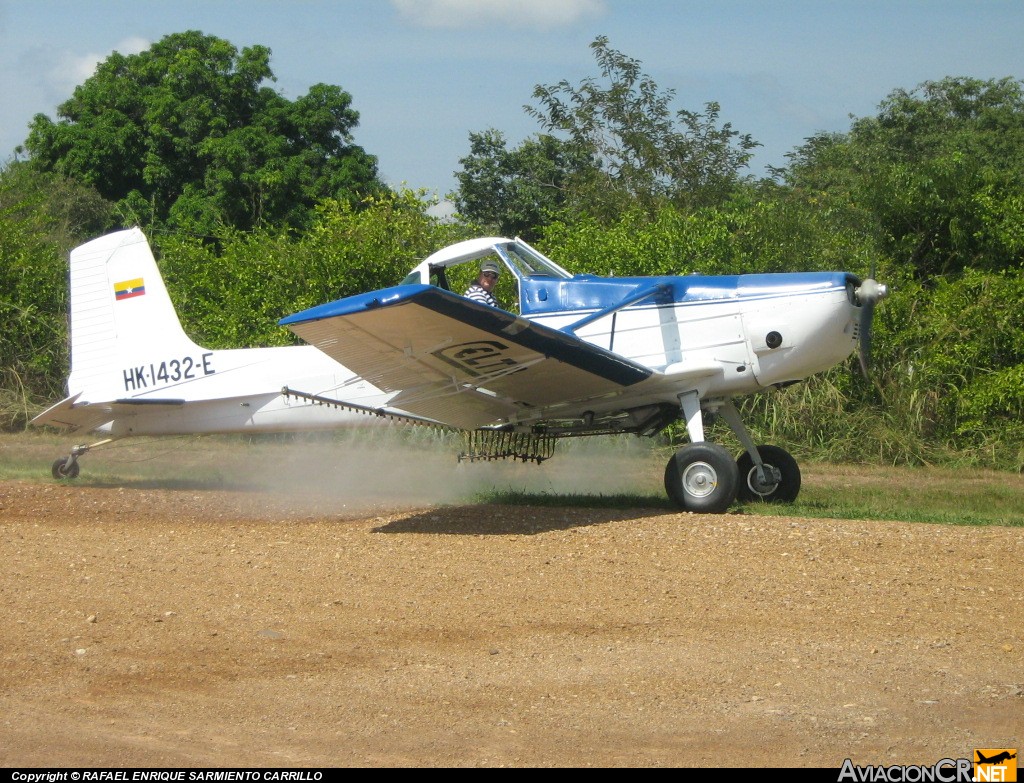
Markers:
868,295
867,313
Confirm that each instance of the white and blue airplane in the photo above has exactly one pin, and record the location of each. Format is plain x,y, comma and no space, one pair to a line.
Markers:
576,355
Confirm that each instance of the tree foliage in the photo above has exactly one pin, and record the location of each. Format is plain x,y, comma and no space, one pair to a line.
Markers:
186,134
41,217
516,192
940,170
643,149
608,145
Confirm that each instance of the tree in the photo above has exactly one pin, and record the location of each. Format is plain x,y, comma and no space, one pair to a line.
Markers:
185,134
42,215
606,147
61,211
513,192
641,148
941,169
232,293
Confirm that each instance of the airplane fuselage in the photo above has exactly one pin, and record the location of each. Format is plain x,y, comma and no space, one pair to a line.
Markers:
759,331
163,398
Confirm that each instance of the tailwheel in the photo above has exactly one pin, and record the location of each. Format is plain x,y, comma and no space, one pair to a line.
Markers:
68,467
702,477
781,482
65,468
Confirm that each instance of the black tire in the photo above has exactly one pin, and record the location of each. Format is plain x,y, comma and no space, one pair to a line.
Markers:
788,486
703,478
63,468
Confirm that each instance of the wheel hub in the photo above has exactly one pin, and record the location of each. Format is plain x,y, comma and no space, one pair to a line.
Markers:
768,485
699,479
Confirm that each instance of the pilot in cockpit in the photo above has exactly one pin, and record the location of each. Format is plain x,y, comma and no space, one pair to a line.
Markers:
482,290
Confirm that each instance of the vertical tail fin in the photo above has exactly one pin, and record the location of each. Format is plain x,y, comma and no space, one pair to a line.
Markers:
120,313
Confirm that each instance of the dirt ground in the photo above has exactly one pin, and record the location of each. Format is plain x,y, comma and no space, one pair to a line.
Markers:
181,625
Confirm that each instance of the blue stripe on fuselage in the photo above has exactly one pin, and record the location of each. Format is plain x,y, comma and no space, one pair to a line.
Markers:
543,296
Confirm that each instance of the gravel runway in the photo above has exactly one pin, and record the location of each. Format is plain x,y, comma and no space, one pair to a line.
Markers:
182,626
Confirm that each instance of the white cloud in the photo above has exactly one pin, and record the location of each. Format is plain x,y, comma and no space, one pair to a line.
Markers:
543,14
70,70
133,45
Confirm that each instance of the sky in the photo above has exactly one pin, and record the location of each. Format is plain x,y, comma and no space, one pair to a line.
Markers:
424,74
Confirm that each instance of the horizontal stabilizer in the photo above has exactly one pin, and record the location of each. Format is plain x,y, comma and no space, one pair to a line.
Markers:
72,415
64,415
68,416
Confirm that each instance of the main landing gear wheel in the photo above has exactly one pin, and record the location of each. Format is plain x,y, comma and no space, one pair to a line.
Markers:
782,476
64,468
702,477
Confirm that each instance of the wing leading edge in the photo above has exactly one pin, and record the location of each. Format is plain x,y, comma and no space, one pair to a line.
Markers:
458,361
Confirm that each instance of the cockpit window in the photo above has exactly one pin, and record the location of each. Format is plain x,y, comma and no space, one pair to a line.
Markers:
527,263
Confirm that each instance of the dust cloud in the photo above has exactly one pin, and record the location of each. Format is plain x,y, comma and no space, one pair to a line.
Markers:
386,465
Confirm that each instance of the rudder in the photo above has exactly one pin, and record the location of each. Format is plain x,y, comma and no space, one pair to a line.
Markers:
120,313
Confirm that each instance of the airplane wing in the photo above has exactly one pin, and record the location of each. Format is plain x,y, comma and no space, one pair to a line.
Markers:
460,362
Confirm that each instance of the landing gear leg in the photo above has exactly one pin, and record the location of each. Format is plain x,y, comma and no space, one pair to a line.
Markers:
766,473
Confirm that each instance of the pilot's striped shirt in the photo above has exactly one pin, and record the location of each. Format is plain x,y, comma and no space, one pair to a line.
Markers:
478,294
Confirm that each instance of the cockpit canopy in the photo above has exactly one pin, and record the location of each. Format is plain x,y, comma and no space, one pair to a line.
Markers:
456,267
513,254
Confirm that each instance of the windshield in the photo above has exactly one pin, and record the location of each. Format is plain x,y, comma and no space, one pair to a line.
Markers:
526,262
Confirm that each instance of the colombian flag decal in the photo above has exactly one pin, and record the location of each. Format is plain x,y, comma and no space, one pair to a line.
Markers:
129,288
